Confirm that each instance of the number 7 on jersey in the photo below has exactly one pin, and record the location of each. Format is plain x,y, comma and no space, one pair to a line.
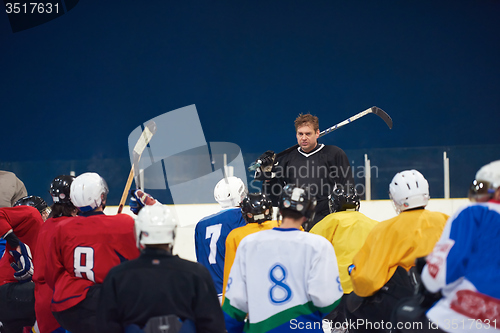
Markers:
213,232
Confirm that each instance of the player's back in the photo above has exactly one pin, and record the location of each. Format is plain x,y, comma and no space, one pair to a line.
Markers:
412,234
210,241
83,250
182,287
347,231
396,242
281,277
280,254
109,240
44,237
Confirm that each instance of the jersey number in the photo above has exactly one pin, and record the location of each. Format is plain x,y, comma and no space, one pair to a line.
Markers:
213,231
84,262
279,292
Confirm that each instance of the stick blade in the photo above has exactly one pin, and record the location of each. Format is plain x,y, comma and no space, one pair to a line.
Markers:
152,126
382,114
147,134
142,143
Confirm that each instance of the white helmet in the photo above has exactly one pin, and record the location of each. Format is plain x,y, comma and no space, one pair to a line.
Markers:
155,225
88,191
486,182
409,189
230,191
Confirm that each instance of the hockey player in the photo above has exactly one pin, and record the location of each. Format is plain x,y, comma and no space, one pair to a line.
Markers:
211,232
283,278
312,164
19,226
158,283
62,208
463,266
380,269
257,210
84,248
346,228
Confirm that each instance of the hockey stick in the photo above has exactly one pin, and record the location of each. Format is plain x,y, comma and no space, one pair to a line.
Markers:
375,110
139,147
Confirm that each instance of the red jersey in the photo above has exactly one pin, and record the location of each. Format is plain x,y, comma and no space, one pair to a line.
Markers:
26,222
43,293
83,250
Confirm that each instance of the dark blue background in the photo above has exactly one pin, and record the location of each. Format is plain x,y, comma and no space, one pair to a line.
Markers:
74,88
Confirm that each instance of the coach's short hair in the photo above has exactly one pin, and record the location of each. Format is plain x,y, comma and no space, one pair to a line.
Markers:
307,119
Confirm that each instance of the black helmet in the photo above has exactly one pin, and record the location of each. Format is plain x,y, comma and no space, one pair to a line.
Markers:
59,189
32,201
340,201
256,207
298,199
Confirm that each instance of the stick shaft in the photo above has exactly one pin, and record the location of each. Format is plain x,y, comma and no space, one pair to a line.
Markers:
345,122
125,192
378,111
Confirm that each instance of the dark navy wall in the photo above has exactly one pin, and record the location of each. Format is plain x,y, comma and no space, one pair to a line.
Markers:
75,87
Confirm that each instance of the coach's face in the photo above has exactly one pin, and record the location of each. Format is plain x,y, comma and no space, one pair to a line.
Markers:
307,137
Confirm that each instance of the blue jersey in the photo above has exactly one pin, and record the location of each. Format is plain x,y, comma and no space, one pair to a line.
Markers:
2,246
210,241
464,266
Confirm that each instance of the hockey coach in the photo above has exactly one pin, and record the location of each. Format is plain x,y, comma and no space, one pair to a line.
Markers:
314,165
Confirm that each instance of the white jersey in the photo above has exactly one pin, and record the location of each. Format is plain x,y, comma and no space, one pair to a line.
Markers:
286,280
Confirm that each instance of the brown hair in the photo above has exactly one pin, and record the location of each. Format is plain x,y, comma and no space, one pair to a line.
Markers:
307,119
61,209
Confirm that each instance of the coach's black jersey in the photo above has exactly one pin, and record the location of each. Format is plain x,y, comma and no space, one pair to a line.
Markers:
155,284
319,170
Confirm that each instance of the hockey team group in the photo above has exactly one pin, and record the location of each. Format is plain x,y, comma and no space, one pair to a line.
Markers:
321,266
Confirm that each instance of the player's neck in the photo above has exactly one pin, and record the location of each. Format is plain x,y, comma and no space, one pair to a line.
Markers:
288,223
164,247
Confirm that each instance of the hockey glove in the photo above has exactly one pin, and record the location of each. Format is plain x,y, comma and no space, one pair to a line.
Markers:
139,199
266,161
267,158
23,264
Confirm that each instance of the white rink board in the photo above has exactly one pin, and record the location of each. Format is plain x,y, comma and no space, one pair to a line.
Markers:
379,210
